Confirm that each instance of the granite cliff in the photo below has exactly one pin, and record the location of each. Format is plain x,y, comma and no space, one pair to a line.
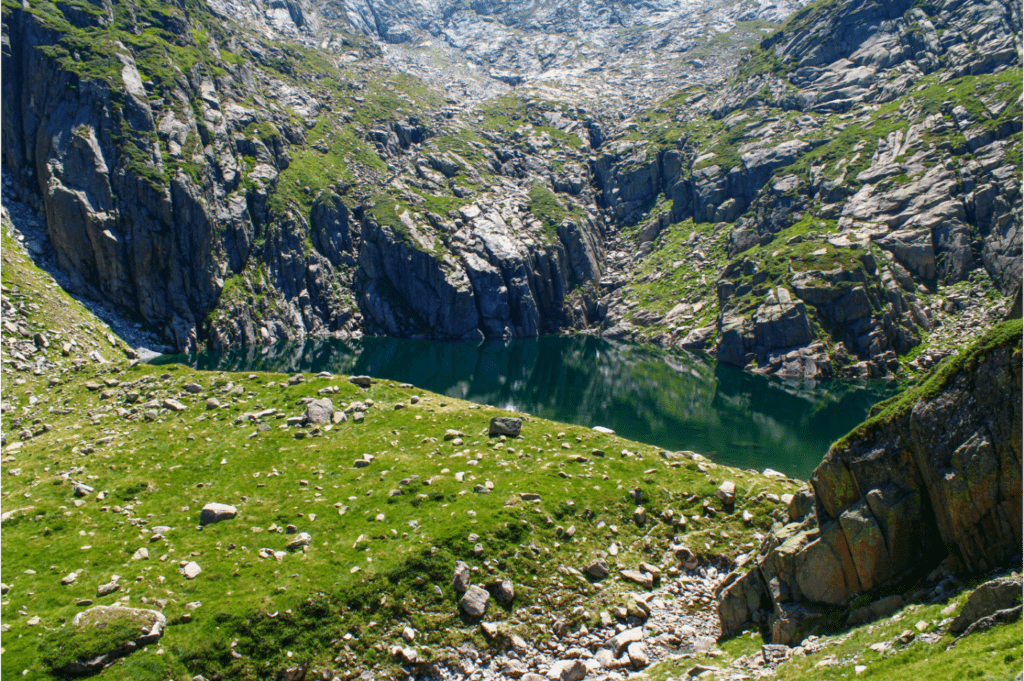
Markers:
838,194
928,488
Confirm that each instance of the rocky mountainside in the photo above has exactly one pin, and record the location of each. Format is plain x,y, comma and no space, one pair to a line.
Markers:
930,484
841,198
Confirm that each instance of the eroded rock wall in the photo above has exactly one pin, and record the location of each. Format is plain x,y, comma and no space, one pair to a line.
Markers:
935,476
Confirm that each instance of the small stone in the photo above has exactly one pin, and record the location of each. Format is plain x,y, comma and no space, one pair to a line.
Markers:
191,570
462,577
726,493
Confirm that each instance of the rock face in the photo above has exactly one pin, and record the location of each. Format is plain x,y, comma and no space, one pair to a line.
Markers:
824,190
936,473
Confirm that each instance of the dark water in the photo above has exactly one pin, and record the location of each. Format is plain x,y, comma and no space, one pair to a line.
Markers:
674,400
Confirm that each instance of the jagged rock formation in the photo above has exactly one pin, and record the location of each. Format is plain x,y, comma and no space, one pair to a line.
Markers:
238,175
934,476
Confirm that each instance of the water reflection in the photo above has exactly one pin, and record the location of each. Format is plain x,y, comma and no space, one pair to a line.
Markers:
674,400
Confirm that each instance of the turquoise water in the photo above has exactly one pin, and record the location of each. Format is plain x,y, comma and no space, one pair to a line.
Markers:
674,400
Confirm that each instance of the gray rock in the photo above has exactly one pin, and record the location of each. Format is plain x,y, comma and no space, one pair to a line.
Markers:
299,541
107,589
320,412
598,569
726,493
504,591
989,598
215,512
504,425
461,577
474,601
567,670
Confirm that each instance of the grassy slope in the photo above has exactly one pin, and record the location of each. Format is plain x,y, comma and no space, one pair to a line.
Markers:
162,472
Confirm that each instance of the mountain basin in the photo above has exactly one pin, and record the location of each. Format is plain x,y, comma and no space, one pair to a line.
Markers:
671,399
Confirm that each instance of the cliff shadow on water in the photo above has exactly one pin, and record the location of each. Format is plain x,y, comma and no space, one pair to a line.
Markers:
675,400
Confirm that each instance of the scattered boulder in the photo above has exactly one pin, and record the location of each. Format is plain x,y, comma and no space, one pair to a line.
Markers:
505,425
474,601
299,541
462,577
214,513
191,570
567,670
319,412
108,588
726,493
504,591
644,579
598,569
361,381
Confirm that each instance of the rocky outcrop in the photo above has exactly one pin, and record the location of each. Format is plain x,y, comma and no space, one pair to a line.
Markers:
148,624
934,476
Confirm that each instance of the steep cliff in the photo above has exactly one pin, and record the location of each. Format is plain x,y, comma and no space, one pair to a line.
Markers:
934,477
846,194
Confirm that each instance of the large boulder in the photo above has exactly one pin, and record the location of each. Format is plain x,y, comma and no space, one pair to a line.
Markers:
319,412
214,513
505,425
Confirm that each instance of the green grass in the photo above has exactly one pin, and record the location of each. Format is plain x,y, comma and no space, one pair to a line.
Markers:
158,466
668,276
